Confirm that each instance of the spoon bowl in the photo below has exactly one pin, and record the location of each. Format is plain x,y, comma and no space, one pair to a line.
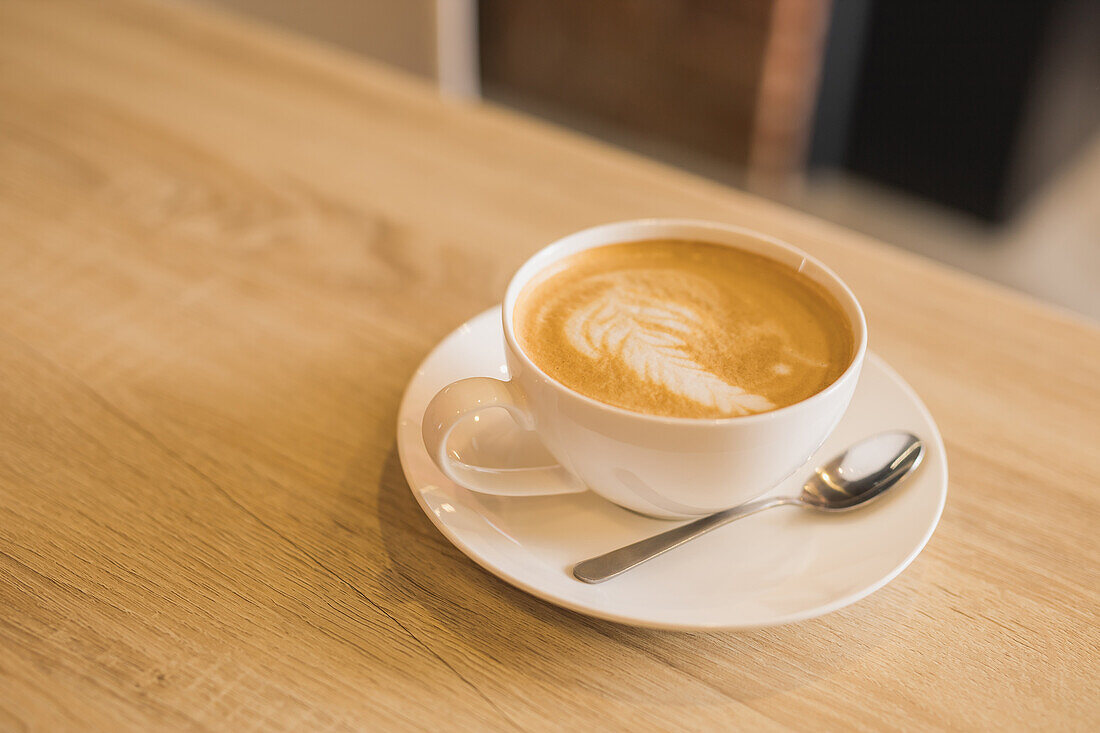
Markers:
860,473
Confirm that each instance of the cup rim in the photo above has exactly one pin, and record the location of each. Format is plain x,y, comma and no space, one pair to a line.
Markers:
515,286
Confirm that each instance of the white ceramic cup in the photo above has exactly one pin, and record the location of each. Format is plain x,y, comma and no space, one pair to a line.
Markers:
661,466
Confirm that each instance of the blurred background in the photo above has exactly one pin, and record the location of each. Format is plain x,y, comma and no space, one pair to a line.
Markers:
964,130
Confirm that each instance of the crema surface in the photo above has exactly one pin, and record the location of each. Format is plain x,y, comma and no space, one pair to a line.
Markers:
683,329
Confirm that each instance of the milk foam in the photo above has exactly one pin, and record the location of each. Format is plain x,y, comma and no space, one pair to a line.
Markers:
650,338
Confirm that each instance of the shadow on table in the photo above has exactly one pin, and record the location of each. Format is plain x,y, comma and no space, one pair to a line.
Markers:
476,619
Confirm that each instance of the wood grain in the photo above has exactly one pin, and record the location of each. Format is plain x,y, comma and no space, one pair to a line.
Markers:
223,252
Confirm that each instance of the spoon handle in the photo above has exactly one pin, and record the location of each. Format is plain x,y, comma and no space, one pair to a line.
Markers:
608,565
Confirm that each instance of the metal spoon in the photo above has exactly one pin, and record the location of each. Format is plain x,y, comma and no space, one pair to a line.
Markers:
855,477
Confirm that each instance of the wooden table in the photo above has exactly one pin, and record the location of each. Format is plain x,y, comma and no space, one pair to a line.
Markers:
222,253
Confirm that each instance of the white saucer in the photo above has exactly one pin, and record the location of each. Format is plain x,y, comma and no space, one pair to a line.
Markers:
780,566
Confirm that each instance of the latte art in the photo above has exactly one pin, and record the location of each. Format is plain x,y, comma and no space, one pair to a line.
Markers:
651,339
683,329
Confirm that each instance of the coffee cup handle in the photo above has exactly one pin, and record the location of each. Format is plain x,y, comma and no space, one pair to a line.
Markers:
467,397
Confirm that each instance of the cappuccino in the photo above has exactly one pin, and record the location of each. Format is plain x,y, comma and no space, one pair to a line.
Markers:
683,329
